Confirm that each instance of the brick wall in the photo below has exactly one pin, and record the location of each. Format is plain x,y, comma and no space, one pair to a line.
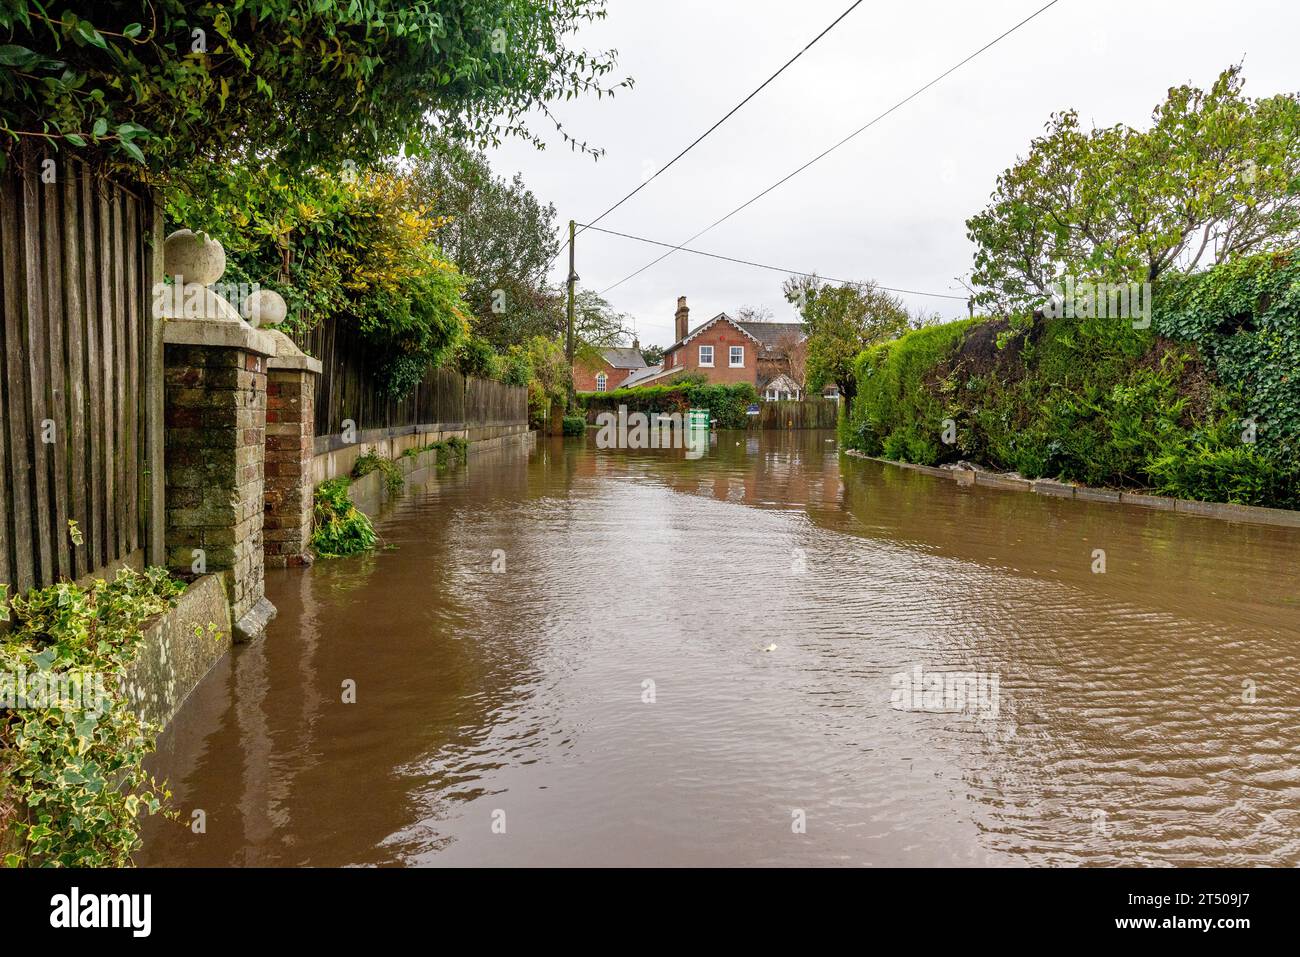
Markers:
720,335
290,434
215,420
584,375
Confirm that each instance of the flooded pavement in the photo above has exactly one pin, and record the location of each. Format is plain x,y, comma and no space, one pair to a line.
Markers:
609,694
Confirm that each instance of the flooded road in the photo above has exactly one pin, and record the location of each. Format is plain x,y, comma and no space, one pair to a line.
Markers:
565,657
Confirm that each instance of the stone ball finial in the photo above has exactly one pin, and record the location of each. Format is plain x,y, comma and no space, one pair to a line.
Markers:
194,257
265,307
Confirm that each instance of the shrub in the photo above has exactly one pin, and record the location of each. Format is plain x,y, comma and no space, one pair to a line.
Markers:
476,357
393,477
285,82
1096,401
728,404
340,528
574,425
75,776
454,448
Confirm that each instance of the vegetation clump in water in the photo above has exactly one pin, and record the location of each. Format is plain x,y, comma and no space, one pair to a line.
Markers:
340,528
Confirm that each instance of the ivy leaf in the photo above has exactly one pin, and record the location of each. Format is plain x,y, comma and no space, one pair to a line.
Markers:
101,127
44,659
13,55
132,30
74,139
91,35
133,151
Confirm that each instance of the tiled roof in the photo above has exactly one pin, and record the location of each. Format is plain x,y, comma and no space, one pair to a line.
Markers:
624,358
771,333
642,376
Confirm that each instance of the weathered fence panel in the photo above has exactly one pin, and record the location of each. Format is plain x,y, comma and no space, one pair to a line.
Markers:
347,389
494,403
803,414
75,273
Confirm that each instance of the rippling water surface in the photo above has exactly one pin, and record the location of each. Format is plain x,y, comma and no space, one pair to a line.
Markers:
1147,715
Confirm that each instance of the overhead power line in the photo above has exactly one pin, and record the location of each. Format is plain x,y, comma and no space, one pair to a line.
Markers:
828,151
794,272
730,113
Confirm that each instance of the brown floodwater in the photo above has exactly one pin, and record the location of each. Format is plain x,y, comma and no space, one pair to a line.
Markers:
610,694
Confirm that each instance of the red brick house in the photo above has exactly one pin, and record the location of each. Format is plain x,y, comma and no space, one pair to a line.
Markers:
608,370
767,355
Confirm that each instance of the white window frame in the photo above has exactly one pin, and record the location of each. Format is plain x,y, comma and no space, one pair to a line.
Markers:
703,364
602,380
731,357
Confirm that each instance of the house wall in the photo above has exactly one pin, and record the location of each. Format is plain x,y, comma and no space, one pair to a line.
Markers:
584,375
721,335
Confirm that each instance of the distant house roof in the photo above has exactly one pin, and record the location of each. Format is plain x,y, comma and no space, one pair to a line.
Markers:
766,334
782,383
649,373
772,333
623,358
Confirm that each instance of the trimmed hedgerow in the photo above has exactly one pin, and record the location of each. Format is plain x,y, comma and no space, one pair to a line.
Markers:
1204,405
728,404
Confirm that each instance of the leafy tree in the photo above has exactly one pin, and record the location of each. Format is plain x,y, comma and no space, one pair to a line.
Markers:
653,355
476,357
596,323
163,81
500,236
841,321
1215,177
355,249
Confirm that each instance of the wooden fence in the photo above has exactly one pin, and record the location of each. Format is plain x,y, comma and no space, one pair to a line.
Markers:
81,416
81,353
804,414
347,390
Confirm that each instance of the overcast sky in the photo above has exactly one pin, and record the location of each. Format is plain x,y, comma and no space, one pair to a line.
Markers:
891,204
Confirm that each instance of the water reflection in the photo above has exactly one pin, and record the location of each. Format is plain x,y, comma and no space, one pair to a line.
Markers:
518,697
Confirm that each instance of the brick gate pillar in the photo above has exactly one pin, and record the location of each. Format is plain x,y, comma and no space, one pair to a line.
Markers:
290,448
215,380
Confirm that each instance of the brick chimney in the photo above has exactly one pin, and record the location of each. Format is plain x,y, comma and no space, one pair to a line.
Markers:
683,318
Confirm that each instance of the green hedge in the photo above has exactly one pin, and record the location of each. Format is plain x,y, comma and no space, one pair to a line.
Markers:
728,404
1098,402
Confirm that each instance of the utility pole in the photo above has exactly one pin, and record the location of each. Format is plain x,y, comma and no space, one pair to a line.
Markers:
573,280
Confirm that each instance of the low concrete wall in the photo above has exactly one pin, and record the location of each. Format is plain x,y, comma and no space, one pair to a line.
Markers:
177,651
1249,514
370,492
179,648
334,457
